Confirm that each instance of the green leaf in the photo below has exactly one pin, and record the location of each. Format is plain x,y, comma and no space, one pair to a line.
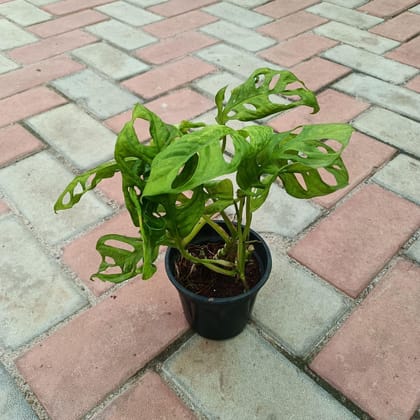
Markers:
176,169
220,192
85,182
253,99
127,261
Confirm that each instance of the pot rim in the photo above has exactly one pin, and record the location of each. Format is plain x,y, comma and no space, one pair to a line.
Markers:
218,300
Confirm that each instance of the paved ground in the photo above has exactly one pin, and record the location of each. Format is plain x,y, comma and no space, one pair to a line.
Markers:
335,333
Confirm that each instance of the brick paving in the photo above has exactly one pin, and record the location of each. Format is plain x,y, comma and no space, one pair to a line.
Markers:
335,332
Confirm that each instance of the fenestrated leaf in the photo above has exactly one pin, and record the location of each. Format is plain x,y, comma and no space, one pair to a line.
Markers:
251,100
85,182
170,165
127,261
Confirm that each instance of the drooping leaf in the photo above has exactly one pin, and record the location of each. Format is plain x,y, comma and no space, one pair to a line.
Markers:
113,257
171,164
254,98
84,183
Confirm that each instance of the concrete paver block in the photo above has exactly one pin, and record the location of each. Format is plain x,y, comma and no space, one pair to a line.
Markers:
352,4
356,37
35,183
297,308
395,98
401,175
12,403
391,128
129,13
387,9
231,59
344,15
109,60
414,251
248,3
214,82
75,368
177,7
374,357
235,14
100,96
79,137
401,28
216,376
237,35
23,13
407,53
121,35
6,64
280,8
12,36
35,294
336,249
372,64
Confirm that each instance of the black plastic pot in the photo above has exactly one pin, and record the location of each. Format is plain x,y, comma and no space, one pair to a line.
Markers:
219,318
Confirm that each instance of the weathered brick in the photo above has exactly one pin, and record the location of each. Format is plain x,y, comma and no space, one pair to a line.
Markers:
408,53
369,63
395,98
77,136
401,175
77,366
35,294
356,37
34,184
400,28
100,96
391,128
238,15
344,15
237,35
373,359
331,249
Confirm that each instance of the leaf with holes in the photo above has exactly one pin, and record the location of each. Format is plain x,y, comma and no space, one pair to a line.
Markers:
254,98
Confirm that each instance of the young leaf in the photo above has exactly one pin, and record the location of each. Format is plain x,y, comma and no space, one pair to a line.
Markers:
251,100
86,182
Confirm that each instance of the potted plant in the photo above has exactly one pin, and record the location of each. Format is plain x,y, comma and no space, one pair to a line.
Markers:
177,184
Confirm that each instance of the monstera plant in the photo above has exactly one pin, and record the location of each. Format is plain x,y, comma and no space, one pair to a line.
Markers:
191,173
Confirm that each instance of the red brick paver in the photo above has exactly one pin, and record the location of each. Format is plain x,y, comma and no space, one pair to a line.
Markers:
408,53
67,23
400,28
168,76
4,208
374,358
280,8
16,142
64,7
176,7
353,243
297,49
387,8
414,84
291,25
151,397
28,103
77,366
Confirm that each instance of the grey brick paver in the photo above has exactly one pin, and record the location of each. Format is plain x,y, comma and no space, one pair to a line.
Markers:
352,4
33,185
236,14
100,96
121,35
128,13
395,98
231,59
401,175
415,9
12,403
111,61
391,128
248,3
77,136
297,308
23,13
344,15
372,64
242,37
29,305
414,251
356,37
217,376
7,64
211,84
12,36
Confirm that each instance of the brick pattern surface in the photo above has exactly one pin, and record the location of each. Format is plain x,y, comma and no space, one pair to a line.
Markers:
70,72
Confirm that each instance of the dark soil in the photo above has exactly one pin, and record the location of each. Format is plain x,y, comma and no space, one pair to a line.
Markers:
202,281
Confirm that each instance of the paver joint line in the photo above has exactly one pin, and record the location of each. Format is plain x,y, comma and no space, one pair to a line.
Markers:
70,71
